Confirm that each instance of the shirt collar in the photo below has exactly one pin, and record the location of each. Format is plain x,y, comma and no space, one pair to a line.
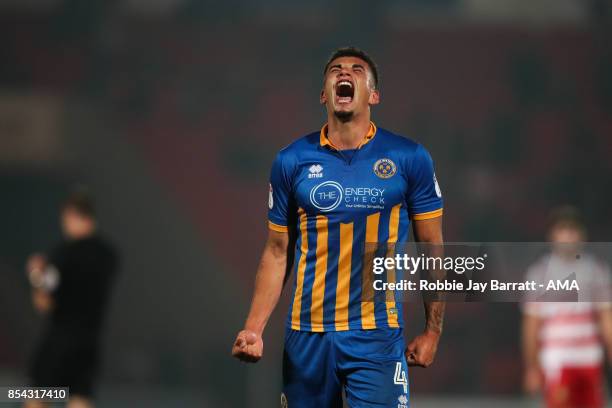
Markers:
326,142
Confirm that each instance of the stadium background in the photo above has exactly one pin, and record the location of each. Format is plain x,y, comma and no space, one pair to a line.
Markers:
171,111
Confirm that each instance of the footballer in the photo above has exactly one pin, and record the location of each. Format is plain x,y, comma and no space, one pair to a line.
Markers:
330,193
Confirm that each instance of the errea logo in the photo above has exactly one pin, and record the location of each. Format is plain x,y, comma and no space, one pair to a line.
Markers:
316,171
403,401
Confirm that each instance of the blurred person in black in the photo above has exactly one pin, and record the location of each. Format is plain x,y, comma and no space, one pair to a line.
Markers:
71,286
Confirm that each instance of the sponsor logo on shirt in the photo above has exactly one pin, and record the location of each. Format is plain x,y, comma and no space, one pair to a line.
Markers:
327,196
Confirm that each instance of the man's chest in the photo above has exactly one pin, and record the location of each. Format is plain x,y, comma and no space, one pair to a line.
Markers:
332,185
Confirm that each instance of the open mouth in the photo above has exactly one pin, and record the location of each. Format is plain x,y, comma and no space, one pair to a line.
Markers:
345,91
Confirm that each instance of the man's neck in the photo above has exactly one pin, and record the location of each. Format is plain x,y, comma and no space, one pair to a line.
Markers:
347,135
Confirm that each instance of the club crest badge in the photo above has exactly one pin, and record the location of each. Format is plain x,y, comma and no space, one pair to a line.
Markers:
385,168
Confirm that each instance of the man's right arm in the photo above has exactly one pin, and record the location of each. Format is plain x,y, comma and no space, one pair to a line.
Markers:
44,280
268,287
532,381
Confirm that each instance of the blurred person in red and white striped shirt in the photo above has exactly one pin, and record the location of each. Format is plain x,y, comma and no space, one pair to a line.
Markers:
565,343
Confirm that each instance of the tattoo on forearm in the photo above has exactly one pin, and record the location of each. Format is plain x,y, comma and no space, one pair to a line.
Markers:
434,314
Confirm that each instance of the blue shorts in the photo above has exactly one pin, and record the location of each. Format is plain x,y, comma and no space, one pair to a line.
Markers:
369,365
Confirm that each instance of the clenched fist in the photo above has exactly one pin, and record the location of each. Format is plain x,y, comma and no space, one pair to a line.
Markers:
422,350
248,346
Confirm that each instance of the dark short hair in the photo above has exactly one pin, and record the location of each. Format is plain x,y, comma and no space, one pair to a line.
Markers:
354,52
566,216
81,202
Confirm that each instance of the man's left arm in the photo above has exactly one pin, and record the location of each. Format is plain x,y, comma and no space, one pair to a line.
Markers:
602,282
604,320
421,351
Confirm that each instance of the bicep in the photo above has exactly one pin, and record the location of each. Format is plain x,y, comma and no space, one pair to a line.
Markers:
279,247
277,243
531,325
428,230
605,318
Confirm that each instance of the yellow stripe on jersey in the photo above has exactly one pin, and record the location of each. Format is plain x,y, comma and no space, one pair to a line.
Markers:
427,215
344,276
368,320
277,228
390,296
318,287
299,284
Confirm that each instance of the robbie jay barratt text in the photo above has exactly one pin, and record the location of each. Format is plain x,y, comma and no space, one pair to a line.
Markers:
474,286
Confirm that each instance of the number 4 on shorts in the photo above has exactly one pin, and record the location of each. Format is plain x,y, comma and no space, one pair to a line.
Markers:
400,377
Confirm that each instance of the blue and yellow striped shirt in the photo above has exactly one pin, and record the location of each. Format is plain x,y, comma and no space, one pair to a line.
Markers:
336,201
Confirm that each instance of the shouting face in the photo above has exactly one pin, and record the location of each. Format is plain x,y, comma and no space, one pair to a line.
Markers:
348,88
